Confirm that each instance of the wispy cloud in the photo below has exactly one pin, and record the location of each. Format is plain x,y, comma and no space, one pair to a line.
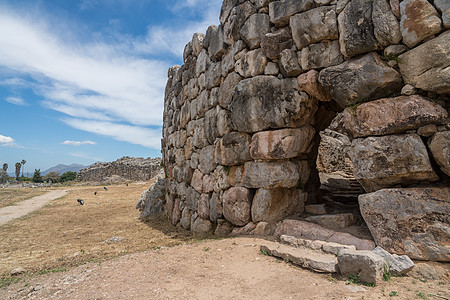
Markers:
16,101
6,141
78,143
86,156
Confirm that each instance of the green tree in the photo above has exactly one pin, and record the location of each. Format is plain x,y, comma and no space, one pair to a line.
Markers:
23,162
3,176
52,176
68,176
18,166
37,175
5,167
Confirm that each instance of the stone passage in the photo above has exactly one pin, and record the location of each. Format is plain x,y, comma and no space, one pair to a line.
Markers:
242,117
125,168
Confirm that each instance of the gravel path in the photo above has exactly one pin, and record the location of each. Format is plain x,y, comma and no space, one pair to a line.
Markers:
23,208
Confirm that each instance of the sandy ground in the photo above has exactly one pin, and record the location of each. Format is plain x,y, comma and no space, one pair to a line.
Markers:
63,248
23,208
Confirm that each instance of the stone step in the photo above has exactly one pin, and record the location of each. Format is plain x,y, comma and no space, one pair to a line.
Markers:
333,221
304,257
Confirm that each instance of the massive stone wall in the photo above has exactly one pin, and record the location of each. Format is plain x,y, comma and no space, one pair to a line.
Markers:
242,116
127,168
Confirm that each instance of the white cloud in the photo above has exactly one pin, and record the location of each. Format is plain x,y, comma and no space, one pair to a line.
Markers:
78,143
16,101
7,141
146,137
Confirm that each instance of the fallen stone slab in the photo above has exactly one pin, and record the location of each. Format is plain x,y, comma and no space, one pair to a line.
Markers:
333,221
307,258
398,265
367,265
327,247
311,231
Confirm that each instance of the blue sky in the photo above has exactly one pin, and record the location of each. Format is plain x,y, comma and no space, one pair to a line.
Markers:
83,81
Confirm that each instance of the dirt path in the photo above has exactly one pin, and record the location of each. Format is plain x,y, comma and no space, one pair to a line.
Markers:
23,208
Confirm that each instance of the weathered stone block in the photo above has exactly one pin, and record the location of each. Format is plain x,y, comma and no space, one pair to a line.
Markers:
185,220
215,207
197,43
274,205
273,43
236,205
427,66
220,177
203,62
413,221
201,226
216,46
208,184
203,206
419,20
252,64
309,82
444,7
314,26
360,80
393,115
440,148
213,75
398,265
207,163
192,197
266,175
227,89
281,144
386,161
289,63
211,132
386,26
321,55
197,181
238,15
333,221
256,26
281,11
256,96
367,265
232,149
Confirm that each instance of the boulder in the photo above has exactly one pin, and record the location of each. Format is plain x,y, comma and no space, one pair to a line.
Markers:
412,221
440,149
392,116
309,82
213,75
203,62
288,63
176,212
192,197
210,124
206,160
185,220
314,26
281,144
443,7
238,15
356,29
386,25
266,175
419,20
256,26
281,11
315,209
215,207
227,89
216,46
426,67
397,265
252,64
273,43
386,161
220,178
223,228
263,228
246,230
277,99
367,265
321,55
236,205
275,204
360,80
333,153
152,201
203,206
197,181
201,227
197,43
232,149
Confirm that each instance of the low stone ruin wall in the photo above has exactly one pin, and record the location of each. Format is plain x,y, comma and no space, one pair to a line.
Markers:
242,117
127,168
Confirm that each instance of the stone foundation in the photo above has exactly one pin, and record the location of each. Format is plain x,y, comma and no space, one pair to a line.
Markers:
242,116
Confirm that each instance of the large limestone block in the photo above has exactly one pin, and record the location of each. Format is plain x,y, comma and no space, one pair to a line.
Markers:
356,29
386,25
393,115
412,221
227,89
398,265
333,221
368,265
444,7
210,123
203,206
213,75
309,82
360,80
203,62
232,149
427,66
252,64
197,43
256,26
440,148
278,100
266,175
289,66
206,160
386,161
273,43
419,20
281,144
197,181
238,15
274,205
216,46
321,55
215,207
236,205
281,11
220,179
314,26
201,226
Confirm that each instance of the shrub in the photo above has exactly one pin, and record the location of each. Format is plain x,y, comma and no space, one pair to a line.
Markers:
68,176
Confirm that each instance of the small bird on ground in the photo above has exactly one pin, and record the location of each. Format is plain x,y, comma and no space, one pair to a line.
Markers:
105,188
95,193
127,184
81,201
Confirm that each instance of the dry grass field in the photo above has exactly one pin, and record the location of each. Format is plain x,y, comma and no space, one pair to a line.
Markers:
64,233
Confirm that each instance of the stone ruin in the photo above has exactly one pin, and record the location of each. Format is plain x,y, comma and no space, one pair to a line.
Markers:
125,168
244,116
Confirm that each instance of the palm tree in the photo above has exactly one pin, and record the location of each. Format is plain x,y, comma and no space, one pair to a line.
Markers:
23,162
18,166
5,167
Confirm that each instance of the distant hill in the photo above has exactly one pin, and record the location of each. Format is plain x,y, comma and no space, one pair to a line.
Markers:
64,168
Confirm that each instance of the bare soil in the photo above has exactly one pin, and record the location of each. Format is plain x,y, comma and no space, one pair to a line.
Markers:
62,247
9,197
